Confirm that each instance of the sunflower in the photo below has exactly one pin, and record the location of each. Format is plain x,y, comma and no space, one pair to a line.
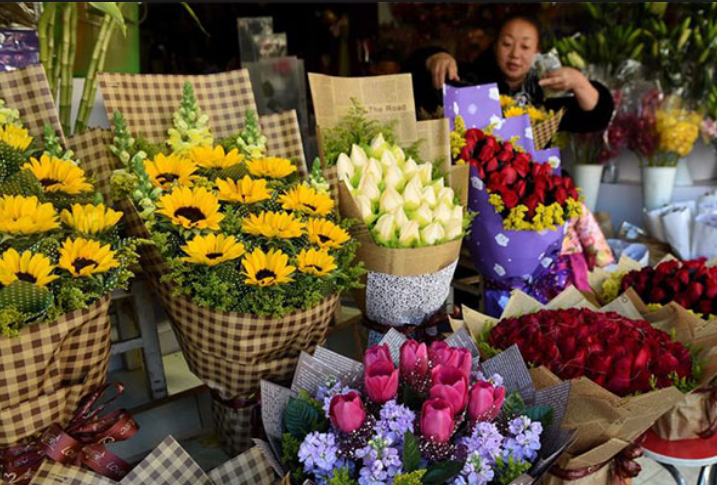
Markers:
195,208
506,101
212,249
57,175
208,157
317,262
86,257
25,215
163,170
90,219
326,234
303,198
16,137
267,269
273,225
33,268
535,113
513,111
271,167
246,191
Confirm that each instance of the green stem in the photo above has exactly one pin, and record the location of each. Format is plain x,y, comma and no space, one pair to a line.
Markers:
69,26
97,62
53,59
44,38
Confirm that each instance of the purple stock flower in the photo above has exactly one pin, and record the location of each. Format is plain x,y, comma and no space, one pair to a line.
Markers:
485,440
381,462
395,420
331,387
523,440
476,471
319,455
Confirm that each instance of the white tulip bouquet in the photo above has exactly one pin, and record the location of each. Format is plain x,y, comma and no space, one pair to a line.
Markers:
405,204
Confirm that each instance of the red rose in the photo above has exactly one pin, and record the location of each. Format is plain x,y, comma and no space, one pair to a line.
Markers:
510,198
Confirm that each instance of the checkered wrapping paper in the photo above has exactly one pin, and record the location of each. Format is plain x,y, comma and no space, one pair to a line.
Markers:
233,427
283,137
332,177
91,148
545,131
49,367
27,91
168,464
148,100
248,468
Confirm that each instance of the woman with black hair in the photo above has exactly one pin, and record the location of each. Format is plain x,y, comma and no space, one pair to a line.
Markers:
507,63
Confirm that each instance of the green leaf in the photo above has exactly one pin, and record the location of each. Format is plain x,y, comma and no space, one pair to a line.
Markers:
411,453
412,399
544,414
514,405
194,16
442,472
300,418
111,9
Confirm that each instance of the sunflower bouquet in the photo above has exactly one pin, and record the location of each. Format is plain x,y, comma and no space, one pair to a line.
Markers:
513,107
249,259
61,254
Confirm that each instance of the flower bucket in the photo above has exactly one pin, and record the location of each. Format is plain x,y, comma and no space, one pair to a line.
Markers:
588,178
658,183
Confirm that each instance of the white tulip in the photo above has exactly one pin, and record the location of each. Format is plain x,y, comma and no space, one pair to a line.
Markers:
442,213
385,228
438,184
390,200
412,194
365,208
429,197
423,215
358,156
378,145
345,167
388,159
457,212
410,168
400,215
445,196
393,177
409,234
432,233
453,228
425,171
398,153
369,187
374,167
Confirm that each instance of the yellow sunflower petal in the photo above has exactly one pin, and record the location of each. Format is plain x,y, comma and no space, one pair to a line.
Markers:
57,175
208,157
303,198
317,262
86,257
271,167
90,219
16,137
212,249
165,171
246,191
33,268
191,208
267,269
273,225
326,234
21,215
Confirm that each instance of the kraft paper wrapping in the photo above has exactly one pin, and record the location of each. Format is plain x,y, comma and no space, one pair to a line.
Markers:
605,423
313,370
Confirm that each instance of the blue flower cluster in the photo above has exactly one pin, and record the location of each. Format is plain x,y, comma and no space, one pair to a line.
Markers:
523,441
319,455
395,421
331,387
381,461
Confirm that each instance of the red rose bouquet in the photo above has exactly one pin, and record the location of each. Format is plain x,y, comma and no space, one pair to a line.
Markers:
622,355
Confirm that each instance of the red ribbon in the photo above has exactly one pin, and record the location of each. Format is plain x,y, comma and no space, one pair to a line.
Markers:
624,465
82,442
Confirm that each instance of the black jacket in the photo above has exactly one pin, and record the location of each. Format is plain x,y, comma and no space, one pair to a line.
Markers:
484,70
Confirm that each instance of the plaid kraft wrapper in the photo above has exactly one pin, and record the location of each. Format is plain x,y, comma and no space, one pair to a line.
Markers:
230,352
168,464
49,367
606,424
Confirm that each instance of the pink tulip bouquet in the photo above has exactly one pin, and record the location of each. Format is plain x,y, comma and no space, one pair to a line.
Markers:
414,414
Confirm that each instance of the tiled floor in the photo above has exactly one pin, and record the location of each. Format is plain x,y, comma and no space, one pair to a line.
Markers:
653,474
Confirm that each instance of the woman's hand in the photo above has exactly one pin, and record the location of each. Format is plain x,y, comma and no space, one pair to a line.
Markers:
440,65
569,79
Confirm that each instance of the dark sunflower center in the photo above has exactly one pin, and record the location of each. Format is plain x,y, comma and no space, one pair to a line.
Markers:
167,178
263,274
310,207
191,213
80,263
26,277
315,266
46,182
324,238
214,255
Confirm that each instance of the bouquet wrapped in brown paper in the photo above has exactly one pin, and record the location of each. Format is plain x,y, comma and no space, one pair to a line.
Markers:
411,203
622,389
395,418
61,255
168,464
249,259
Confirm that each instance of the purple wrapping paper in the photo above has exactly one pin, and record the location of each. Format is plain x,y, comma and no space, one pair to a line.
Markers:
18,48
524,260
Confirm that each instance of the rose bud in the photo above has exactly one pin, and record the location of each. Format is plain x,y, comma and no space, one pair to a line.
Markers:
376,353
347,412
381,381
414,360
450,384
378,144
432,233
358,156
437,420
485,401
390,200
345,167
409,234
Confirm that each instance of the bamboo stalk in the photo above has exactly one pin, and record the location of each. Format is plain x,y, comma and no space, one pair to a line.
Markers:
67,62
42,34
53,60
96,64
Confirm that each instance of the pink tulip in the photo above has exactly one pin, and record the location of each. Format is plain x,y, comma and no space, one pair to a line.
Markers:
414,360
376,353
440,353
485,401
451,385
437,420
381,381
347,412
